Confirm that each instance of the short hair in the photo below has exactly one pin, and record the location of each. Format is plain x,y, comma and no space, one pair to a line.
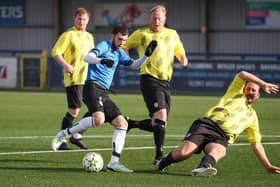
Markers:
81,10
161,7
123,29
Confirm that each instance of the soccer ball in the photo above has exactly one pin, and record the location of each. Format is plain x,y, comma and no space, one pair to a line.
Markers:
93,162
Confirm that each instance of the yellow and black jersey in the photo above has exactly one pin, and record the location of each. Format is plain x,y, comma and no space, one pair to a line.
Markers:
160,63
74,45
234,115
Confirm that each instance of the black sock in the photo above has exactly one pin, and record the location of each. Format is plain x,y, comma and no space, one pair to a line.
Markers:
143,124
132,124
159,135
67,121
166,161
146,125
207,161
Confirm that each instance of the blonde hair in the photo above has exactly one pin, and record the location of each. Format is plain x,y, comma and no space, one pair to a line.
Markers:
159,7
80,11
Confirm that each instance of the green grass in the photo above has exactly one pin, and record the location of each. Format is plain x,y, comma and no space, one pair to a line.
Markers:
29,120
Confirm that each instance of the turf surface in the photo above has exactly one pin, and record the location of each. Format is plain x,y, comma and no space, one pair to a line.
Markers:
29,120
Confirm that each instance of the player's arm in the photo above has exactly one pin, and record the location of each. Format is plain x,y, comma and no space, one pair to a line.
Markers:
267,87
260,153
91,58
183,60
180,52
58,51
149,51
68,68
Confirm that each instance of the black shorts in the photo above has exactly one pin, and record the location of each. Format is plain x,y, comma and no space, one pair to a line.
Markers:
74,96
156,94
204,131
96,98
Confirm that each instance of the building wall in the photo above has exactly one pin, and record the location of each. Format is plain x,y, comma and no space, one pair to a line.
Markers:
226,21
229,35
36,34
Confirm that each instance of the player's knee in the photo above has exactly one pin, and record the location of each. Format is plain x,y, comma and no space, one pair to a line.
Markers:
218,153
99,120
124,123
180,154
159,124
160,114
159,127
120,122
222,154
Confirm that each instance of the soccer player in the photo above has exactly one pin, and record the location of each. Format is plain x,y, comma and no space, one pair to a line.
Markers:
103,61
69,51
156,74
222,124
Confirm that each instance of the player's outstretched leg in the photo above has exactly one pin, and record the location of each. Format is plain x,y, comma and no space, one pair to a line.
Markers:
204,172
159,135
164,162
118,167
59,139
206,167
143,124
118,141
76,139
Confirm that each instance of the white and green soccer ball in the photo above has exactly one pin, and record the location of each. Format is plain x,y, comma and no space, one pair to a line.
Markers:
93,162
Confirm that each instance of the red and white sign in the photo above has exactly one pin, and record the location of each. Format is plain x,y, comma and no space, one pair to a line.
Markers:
131,14
8,72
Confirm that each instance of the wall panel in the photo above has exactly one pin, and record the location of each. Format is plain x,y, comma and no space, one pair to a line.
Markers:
226,20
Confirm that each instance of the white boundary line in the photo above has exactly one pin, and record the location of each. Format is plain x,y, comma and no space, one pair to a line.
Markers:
88,136
109,136
110,149
78,150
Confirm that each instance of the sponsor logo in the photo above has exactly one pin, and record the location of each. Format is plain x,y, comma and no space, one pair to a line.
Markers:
3,72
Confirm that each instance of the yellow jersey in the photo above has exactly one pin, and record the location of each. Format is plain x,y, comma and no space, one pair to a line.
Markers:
160,64
234,115
74,45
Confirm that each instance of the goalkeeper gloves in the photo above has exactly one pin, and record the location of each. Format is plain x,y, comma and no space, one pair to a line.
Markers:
151,47
108,62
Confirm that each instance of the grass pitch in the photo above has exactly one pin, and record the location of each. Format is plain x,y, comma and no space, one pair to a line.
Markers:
29,120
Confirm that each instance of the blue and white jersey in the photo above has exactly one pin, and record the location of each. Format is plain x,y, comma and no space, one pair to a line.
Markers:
102,74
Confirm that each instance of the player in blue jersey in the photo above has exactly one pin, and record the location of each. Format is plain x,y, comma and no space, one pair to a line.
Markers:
103,60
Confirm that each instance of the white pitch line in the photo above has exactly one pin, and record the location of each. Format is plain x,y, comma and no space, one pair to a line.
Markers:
78,150
110,136
86,136
110,149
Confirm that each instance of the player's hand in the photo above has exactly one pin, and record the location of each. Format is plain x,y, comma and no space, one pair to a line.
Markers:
273,169
69,69
270,88
151,47
108,62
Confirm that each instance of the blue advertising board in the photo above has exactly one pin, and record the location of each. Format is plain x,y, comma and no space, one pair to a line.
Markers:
199,76
203,75
12,12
